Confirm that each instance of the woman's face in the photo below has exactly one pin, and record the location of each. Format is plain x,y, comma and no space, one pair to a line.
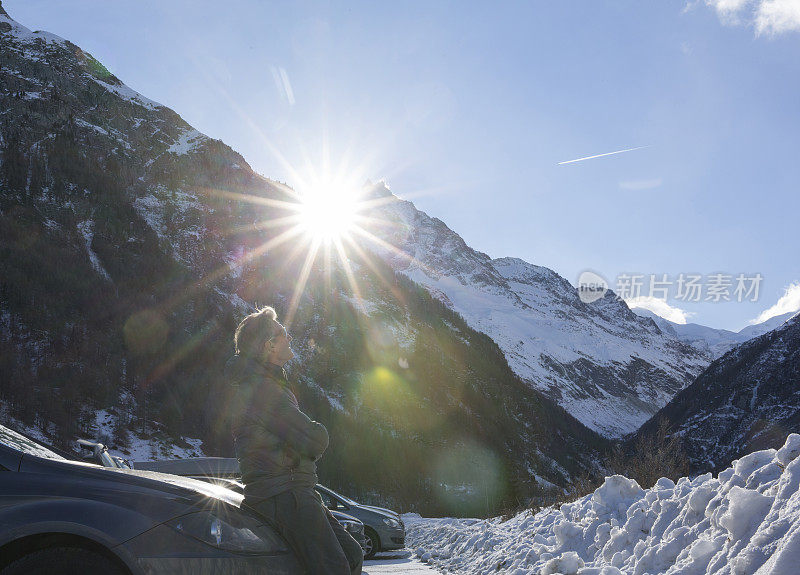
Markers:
279,349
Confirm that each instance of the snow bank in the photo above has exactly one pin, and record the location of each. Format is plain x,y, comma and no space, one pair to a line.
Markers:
745,521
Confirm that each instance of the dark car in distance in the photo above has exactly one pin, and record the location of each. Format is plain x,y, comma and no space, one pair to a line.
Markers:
75,518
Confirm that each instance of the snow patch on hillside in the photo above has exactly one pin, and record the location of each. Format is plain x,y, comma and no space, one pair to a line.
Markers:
744,521
189,141
143,448
86,228
365,306
25,35
179,212
128,94
151,209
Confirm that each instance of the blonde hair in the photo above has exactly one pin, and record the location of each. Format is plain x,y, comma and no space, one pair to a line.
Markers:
254,331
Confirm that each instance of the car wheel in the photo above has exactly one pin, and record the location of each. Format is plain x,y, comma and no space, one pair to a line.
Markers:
373,544
64,560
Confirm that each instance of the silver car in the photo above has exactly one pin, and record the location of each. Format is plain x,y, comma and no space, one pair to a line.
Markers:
383,528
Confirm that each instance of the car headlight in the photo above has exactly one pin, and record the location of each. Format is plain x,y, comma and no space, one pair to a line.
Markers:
352,526
393,523
237,532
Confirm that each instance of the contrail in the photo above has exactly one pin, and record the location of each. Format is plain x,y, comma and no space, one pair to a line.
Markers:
601,155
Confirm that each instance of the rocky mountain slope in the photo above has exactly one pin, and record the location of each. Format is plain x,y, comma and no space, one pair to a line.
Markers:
710,341
746,400
130,247
604,364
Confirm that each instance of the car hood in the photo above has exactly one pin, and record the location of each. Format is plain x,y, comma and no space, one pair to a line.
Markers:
186,483
341,515
191,490
381,511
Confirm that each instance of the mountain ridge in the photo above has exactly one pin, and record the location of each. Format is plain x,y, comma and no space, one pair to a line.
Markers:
714,341
747,399
131,246
600,361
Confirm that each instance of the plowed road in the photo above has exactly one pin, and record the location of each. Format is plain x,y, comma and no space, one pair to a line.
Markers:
395,563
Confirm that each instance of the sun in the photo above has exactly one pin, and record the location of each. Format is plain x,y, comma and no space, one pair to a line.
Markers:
328,211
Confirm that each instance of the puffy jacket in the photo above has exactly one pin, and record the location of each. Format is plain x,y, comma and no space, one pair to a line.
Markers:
276,443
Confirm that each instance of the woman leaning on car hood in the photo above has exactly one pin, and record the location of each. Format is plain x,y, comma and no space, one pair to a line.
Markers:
277,446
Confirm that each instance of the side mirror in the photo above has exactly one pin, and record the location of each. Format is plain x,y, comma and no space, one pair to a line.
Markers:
94,449
122,462
97,452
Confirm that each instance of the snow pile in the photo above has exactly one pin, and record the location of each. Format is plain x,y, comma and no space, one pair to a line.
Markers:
745,521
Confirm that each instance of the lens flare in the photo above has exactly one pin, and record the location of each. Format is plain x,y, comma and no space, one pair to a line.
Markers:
328,212
469,479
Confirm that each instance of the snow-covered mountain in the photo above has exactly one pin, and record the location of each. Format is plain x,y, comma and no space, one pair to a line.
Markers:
711,341
748,399
758,329
130,247
604,364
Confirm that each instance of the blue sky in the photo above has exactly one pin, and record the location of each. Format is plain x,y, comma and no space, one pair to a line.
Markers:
468,108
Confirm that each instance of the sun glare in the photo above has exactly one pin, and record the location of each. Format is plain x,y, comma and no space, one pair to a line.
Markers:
328,217
328,212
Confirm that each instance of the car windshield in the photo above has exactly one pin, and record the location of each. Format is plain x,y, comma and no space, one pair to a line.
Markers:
14,440
342,497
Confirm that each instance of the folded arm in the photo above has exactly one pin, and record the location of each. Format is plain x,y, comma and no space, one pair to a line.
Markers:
306,437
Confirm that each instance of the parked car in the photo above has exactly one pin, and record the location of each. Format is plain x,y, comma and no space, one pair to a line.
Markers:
383,528
224,471
354,527
79,518
98,453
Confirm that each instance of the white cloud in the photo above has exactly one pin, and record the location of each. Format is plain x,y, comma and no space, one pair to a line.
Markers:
660,308
788,302
778,16
768,17
730,11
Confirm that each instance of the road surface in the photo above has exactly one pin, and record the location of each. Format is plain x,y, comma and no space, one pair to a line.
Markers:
396,563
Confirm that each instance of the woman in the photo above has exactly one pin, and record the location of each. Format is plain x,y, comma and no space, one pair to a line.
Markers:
277,446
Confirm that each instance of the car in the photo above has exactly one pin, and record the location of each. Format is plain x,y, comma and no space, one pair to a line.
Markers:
98,453
218,471
81,518
383,528
354,527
